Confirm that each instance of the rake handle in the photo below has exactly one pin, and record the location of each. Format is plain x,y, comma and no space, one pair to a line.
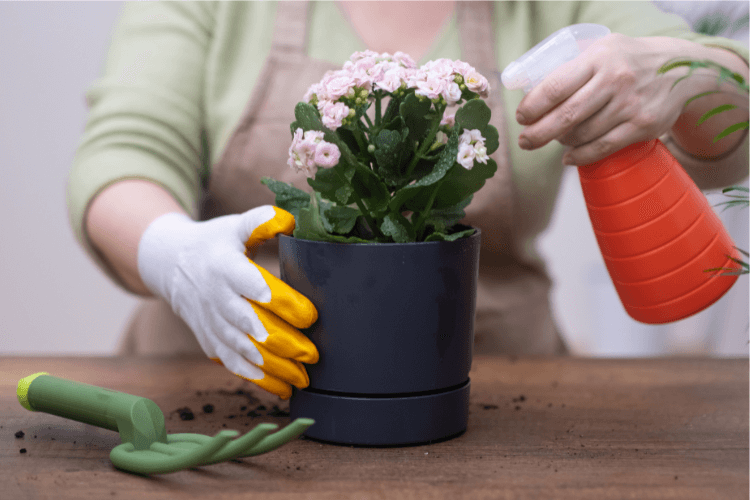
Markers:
138,420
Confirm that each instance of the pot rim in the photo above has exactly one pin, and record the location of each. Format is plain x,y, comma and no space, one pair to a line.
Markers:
476,234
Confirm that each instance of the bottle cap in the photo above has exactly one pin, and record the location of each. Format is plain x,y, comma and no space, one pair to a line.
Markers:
562,46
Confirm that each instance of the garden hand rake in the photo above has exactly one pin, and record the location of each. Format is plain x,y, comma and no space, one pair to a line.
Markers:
146,447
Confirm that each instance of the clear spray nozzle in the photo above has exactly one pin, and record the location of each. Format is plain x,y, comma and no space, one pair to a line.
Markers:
560,47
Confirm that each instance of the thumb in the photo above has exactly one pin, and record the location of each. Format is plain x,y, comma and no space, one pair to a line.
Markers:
263,223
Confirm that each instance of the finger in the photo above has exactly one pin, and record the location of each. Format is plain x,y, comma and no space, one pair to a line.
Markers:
616,139
228,336
241,368
245,278
283,339
263,223
567,116
592,127
554,89
276,335
284,369
286,302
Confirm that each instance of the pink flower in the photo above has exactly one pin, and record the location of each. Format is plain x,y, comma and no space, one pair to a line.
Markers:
327,154
452,93
431,88
480,152
404,60
477,83
334,114
361,55
309,151
337,84
391,80
449,119
466,156
470,137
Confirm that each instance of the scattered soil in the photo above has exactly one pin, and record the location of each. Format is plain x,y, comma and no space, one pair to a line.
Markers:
20,434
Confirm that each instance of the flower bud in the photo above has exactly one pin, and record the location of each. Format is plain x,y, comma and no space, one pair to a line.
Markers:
364,94
371,149
458,79
352,113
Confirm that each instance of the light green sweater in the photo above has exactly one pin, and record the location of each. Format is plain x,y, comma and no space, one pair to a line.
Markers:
178,76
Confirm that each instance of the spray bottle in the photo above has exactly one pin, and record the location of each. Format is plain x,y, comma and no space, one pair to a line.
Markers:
655,228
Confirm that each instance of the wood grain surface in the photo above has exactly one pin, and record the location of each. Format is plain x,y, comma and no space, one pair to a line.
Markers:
538,428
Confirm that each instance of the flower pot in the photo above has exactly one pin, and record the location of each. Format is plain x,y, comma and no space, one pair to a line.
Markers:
657,233
395,334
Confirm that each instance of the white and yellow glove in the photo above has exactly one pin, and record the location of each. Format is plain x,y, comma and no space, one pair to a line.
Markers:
243,316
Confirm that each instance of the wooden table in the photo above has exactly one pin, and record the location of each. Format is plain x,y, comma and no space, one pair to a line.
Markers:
538,428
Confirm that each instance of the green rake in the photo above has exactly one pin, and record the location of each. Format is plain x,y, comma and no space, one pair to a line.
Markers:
146,447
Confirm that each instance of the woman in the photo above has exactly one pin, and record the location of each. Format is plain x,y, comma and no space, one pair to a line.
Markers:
194,108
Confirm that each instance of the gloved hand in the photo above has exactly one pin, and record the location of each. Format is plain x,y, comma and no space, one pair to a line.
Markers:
242,315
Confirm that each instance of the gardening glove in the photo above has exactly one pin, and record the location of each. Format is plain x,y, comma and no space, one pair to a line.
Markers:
243,316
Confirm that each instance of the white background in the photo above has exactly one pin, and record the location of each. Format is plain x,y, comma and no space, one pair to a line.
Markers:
54,301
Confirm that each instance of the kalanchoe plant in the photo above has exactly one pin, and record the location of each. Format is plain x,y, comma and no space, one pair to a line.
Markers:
393,152
723,74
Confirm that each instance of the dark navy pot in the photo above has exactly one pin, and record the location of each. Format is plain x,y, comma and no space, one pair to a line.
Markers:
395,333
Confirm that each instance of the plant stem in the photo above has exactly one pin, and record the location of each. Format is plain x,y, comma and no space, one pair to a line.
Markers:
361,205
425,145
377,107
418,229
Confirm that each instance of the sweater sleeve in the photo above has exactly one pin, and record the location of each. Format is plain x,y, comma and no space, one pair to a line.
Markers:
145,110
640,19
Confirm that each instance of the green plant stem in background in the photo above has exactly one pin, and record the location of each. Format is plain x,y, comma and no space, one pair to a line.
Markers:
724,74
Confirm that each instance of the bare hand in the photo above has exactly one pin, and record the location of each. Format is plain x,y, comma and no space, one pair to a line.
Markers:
609,97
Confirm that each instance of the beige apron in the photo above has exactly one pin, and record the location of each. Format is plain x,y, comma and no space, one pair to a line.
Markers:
513,312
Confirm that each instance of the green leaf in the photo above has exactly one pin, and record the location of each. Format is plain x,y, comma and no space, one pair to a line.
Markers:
288,197
475,114
458,184
307,117
391,149
371,189
730,129
413,111
698,96
715,111
491,138
445,218
310,223
398,227
450,237
340,220
446,160
420,189
331,186
311,226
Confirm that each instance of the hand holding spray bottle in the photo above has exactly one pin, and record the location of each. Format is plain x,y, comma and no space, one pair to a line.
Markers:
655,229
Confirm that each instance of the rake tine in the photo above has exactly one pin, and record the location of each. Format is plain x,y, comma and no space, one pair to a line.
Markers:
147,462
236,448
288,433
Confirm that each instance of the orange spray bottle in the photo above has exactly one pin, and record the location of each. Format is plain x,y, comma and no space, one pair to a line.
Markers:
655,228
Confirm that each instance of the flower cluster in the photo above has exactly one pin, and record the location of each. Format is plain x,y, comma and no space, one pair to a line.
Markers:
309,151
393,152
471,147
341,91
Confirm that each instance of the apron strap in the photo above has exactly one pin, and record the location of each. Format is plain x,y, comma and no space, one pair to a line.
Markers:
290,29
478,42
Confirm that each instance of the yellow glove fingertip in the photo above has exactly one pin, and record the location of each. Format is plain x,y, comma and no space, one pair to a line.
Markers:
267,383
274,386
282,222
